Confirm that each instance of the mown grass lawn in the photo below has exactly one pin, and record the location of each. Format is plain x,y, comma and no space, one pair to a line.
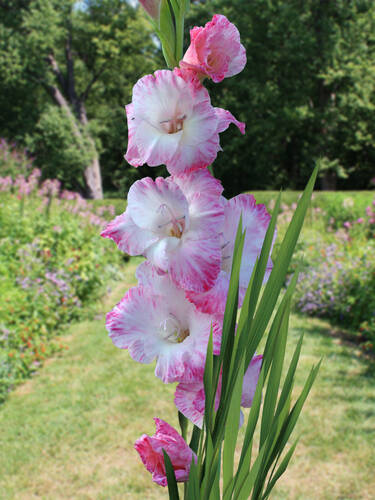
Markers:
68,433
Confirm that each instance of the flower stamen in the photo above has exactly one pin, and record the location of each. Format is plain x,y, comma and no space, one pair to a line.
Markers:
173,125
177,227
171,331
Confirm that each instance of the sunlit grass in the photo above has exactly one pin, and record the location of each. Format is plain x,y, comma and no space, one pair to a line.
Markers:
69,432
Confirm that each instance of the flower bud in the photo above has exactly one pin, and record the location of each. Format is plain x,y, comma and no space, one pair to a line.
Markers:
152,7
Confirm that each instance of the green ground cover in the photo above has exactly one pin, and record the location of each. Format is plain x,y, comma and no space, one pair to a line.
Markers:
68,433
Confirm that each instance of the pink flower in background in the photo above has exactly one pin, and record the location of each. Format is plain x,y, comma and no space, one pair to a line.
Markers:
215,50
150,449
190,398
171,121
174,222
152,7
155,320
255,220
6,183
50,187
347,224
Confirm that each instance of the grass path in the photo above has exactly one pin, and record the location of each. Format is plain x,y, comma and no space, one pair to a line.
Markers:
68,433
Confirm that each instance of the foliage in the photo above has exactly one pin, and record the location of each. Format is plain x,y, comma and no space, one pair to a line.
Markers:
338,268
307,93
52,264
59,150
50,48
13,161
215,446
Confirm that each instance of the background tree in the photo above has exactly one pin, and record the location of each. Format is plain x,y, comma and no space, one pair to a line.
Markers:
67,51
307,93
310,69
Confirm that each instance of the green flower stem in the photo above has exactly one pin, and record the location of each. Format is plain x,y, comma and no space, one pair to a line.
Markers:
180,20
167,52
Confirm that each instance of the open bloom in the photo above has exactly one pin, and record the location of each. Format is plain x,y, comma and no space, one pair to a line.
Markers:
171,121
150,449
155,320
174,223
255,220
215,50
190,398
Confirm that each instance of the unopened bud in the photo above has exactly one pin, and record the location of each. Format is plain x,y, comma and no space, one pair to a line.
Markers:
152,7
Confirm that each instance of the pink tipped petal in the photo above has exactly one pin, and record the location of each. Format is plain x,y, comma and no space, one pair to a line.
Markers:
206,209
226,118
250,381
128,236
156,320
213,301
132,155
255,220
198,182
131,327
215,50
190,400
195,265
171,121
149,275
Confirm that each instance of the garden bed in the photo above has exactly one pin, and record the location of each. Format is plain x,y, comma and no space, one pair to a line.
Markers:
53,265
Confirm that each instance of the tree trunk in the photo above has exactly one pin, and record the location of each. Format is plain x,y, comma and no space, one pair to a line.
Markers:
329,181
93,179
92,175
92,172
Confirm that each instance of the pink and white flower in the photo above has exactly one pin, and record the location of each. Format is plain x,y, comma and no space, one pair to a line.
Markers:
190,398
171,121
215,50
150,449
255,220
174,223
155,321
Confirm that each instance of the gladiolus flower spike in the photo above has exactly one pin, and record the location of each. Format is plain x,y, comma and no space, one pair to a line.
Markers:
205,257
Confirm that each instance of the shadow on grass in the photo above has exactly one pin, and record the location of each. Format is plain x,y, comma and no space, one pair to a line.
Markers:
345,337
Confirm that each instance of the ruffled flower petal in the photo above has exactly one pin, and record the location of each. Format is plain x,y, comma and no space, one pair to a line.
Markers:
255,220
171,121
156,321
215,50
213,301
130,238
195,264
226,118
